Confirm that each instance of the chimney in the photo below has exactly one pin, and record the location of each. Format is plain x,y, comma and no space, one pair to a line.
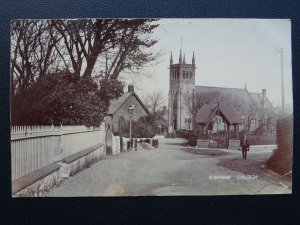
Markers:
264,91
193,59
130,88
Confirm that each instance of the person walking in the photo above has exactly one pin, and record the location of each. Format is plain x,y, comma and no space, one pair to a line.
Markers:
244,144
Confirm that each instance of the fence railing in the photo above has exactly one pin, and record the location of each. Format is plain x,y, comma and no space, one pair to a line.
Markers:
34,147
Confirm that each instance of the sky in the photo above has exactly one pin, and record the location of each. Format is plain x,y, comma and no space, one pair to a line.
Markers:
228,53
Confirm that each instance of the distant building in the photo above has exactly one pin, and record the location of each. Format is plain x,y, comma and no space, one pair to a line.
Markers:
162,121
182,86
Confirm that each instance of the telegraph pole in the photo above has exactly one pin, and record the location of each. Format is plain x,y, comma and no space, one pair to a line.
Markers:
181,43
282,81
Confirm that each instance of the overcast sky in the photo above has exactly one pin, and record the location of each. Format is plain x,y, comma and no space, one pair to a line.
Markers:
228,53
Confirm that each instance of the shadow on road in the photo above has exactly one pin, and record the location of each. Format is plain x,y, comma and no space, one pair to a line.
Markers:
207,152
177,144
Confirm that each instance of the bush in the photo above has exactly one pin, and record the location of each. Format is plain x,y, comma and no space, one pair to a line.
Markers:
281,160
262,140
143,128
192,140
64,98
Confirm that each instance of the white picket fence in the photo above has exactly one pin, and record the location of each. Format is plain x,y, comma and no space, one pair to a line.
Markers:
34,147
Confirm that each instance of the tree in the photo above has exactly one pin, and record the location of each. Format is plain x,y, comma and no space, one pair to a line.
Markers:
154,102
145,127
32,52
64,99
56,64
117,45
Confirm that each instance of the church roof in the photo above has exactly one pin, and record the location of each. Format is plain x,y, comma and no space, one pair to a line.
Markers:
247,97
258,99
209,111
116,104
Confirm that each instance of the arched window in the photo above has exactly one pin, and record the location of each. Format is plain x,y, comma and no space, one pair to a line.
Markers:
191,74
121,125
183,74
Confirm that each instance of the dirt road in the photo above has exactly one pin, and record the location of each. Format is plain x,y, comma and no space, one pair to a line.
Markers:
173,170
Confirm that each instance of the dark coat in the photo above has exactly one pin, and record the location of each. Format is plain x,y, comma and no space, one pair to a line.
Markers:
246,146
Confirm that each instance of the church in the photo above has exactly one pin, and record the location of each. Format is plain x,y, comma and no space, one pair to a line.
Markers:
255,108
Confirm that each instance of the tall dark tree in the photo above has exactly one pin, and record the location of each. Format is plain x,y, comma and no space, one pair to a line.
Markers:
114,45
66,71
32,52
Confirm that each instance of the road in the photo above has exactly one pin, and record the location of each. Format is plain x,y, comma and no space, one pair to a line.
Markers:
172,170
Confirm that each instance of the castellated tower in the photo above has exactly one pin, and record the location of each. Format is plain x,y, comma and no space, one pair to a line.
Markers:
182,84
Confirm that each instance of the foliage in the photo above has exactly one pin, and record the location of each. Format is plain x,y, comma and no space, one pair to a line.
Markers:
64,98
261,139
54,77
154,102
144,127
282,158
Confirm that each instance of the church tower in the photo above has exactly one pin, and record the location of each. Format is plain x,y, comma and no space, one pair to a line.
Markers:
181,86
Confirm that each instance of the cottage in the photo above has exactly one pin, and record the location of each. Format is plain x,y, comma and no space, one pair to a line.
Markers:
118,115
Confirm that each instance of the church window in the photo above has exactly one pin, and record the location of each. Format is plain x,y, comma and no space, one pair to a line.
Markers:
183,74
191,74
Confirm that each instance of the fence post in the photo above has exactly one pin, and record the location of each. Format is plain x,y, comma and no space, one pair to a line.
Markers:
61,141
52,139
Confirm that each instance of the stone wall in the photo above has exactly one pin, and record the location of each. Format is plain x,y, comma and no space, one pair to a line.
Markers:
40,187
38,182
234,144
115,145
203,143
76,163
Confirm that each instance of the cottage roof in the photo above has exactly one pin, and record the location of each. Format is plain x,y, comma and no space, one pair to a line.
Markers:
116,104
209,111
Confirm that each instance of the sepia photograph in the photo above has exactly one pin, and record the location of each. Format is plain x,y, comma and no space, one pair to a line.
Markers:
151,107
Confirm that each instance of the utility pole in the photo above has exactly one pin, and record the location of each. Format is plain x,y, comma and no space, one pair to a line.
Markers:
181,43
282,81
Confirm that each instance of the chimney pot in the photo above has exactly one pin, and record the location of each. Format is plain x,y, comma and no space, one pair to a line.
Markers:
130,88
264,92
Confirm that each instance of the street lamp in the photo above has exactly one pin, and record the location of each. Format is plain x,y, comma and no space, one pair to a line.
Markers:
130,111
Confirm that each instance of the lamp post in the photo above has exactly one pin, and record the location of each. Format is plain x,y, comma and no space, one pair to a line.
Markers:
130,111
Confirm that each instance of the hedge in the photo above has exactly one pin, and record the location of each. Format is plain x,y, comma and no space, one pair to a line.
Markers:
282,158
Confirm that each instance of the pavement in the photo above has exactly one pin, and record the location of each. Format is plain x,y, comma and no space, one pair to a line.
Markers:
172,170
